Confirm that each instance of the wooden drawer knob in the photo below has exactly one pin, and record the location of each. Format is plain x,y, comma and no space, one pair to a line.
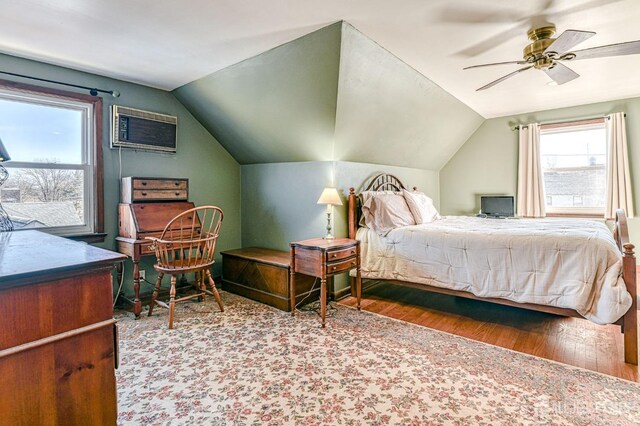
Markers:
177,193
335,255
144,194
334,268
144,183
176,183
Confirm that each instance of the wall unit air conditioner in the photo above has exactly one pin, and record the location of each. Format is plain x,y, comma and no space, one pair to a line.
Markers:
137,129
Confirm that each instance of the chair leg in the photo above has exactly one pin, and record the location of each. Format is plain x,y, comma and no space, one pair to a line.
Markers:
172,301
214,290
201,286
154,296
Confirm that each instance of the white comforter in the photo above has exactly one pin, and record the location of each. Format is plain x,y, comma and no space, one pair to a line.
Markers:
565,263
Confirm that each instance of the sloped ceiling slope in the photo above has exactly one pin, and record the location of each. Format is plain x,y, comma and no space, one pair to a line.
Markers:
333,94
388,113
278,106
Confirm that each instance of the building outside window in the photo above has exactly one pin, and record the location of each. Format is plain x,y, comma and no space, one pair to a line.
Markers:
52,172
574,161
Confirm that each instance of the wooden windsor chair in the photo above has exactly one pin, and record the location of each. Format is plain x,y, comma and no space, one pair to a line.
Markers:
187,244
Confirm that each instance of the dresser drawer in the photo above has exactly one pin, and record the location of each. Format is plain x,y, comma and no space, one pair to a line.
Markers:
334,255
159,195
141,183
141,189
145,248
342,266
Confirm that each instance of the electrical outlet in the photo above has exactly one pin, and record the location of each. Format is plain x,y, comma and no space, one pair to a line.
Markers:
143,275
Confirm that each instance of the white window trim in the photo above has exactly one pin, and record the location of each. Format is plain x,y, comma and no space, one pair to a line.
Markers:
582,211
88,156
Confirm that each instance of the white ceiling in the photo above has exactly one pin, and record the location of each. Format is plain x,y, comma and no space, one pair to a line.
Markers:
166,44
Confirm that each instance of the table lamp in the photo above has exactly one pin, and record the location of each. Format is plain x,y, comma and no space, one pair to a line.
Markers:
331,198
5,222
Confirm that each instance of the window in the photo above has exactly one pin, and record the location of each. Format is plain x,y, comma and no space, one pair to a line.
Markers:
574,161
55,172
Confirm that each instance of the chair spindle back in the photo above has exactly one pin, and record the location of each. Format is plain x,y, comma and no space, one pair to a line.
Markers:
189,239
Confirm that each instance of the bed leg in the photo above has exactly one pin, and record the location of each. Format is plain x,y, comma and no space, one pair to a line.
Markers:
630,321
631,336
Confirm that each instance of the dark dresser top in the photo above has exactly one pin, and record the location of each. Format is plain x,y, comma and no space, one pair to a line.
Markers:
25,254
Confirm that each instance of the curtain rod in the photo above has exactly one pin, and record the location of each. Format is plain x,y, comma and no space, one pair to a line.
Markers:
577,120
92,90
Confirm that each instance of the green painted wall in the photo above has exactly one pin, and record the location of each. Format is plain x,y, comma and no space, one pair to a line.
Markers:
279,200
487,162
388,113
277,106
214,176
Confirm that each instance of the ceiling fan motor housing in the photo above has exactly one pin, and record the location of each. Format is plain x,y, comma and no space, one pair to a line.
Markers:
534,53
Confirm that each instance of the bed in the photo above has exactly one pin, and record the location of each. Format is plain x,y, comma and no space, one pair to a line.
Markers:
566,267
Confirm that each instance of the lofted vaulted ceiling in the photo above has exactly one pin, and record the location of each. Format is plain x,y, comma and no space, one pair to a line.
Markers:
333,94
168,44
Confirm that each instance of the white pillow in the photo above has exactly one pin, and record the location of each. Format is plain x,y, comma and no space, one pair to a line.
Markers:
383,212
421,207
365,196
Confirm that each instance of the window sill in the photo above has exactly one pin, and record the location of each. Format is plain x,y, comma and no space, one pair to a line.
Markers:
578,215
98,237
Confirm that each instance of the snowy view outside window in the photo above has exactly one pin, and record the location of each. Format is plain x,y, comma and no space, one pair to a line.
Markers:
574,168
47,142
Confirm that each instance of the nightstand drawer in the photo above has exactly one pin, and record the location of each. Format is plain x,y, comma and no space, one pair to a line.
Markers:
334,255
345,265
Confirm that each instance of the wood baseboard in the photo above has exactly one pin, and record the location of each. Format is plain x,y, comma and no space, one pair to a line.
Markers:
342,293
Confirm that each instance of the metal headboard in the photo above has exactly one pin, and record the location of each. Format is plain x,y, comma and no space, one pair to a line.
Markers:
381,182
385,182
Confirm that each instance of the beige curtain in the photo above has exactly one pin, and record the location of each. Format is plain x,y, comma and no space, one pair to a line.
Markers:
530,190
618,181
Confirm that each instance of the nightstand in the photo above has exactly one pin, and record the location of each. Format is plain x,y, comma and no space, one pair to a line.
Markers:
322,258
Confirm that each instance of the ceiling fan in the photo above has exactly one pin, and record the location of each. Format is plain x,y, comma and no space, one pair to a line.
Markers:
547,53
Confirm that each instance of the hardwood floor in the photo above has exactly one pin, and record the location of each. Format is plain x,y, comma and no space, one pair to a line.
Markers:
572,341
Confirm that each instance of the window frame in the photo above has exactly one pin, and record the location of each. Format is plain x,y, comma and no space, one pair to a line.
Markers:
94,231
569,126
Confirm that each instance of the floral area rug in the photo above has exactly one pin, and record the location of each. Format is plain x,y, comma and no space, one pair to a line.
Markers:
256,365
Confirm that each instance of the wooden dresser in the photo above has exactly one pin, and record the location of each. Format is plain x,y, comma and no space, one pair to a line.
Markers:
58,337
146,207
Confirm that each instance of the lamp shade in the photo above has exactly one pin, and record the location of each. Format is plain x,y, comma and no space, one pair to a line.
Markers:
4,155
330,196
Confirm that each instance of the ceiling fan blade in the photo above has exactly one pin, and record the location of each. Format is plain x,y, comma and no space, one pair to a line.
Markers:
494,41
471,15
567,40
618,49
495,63
503,78
561,74
589,5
